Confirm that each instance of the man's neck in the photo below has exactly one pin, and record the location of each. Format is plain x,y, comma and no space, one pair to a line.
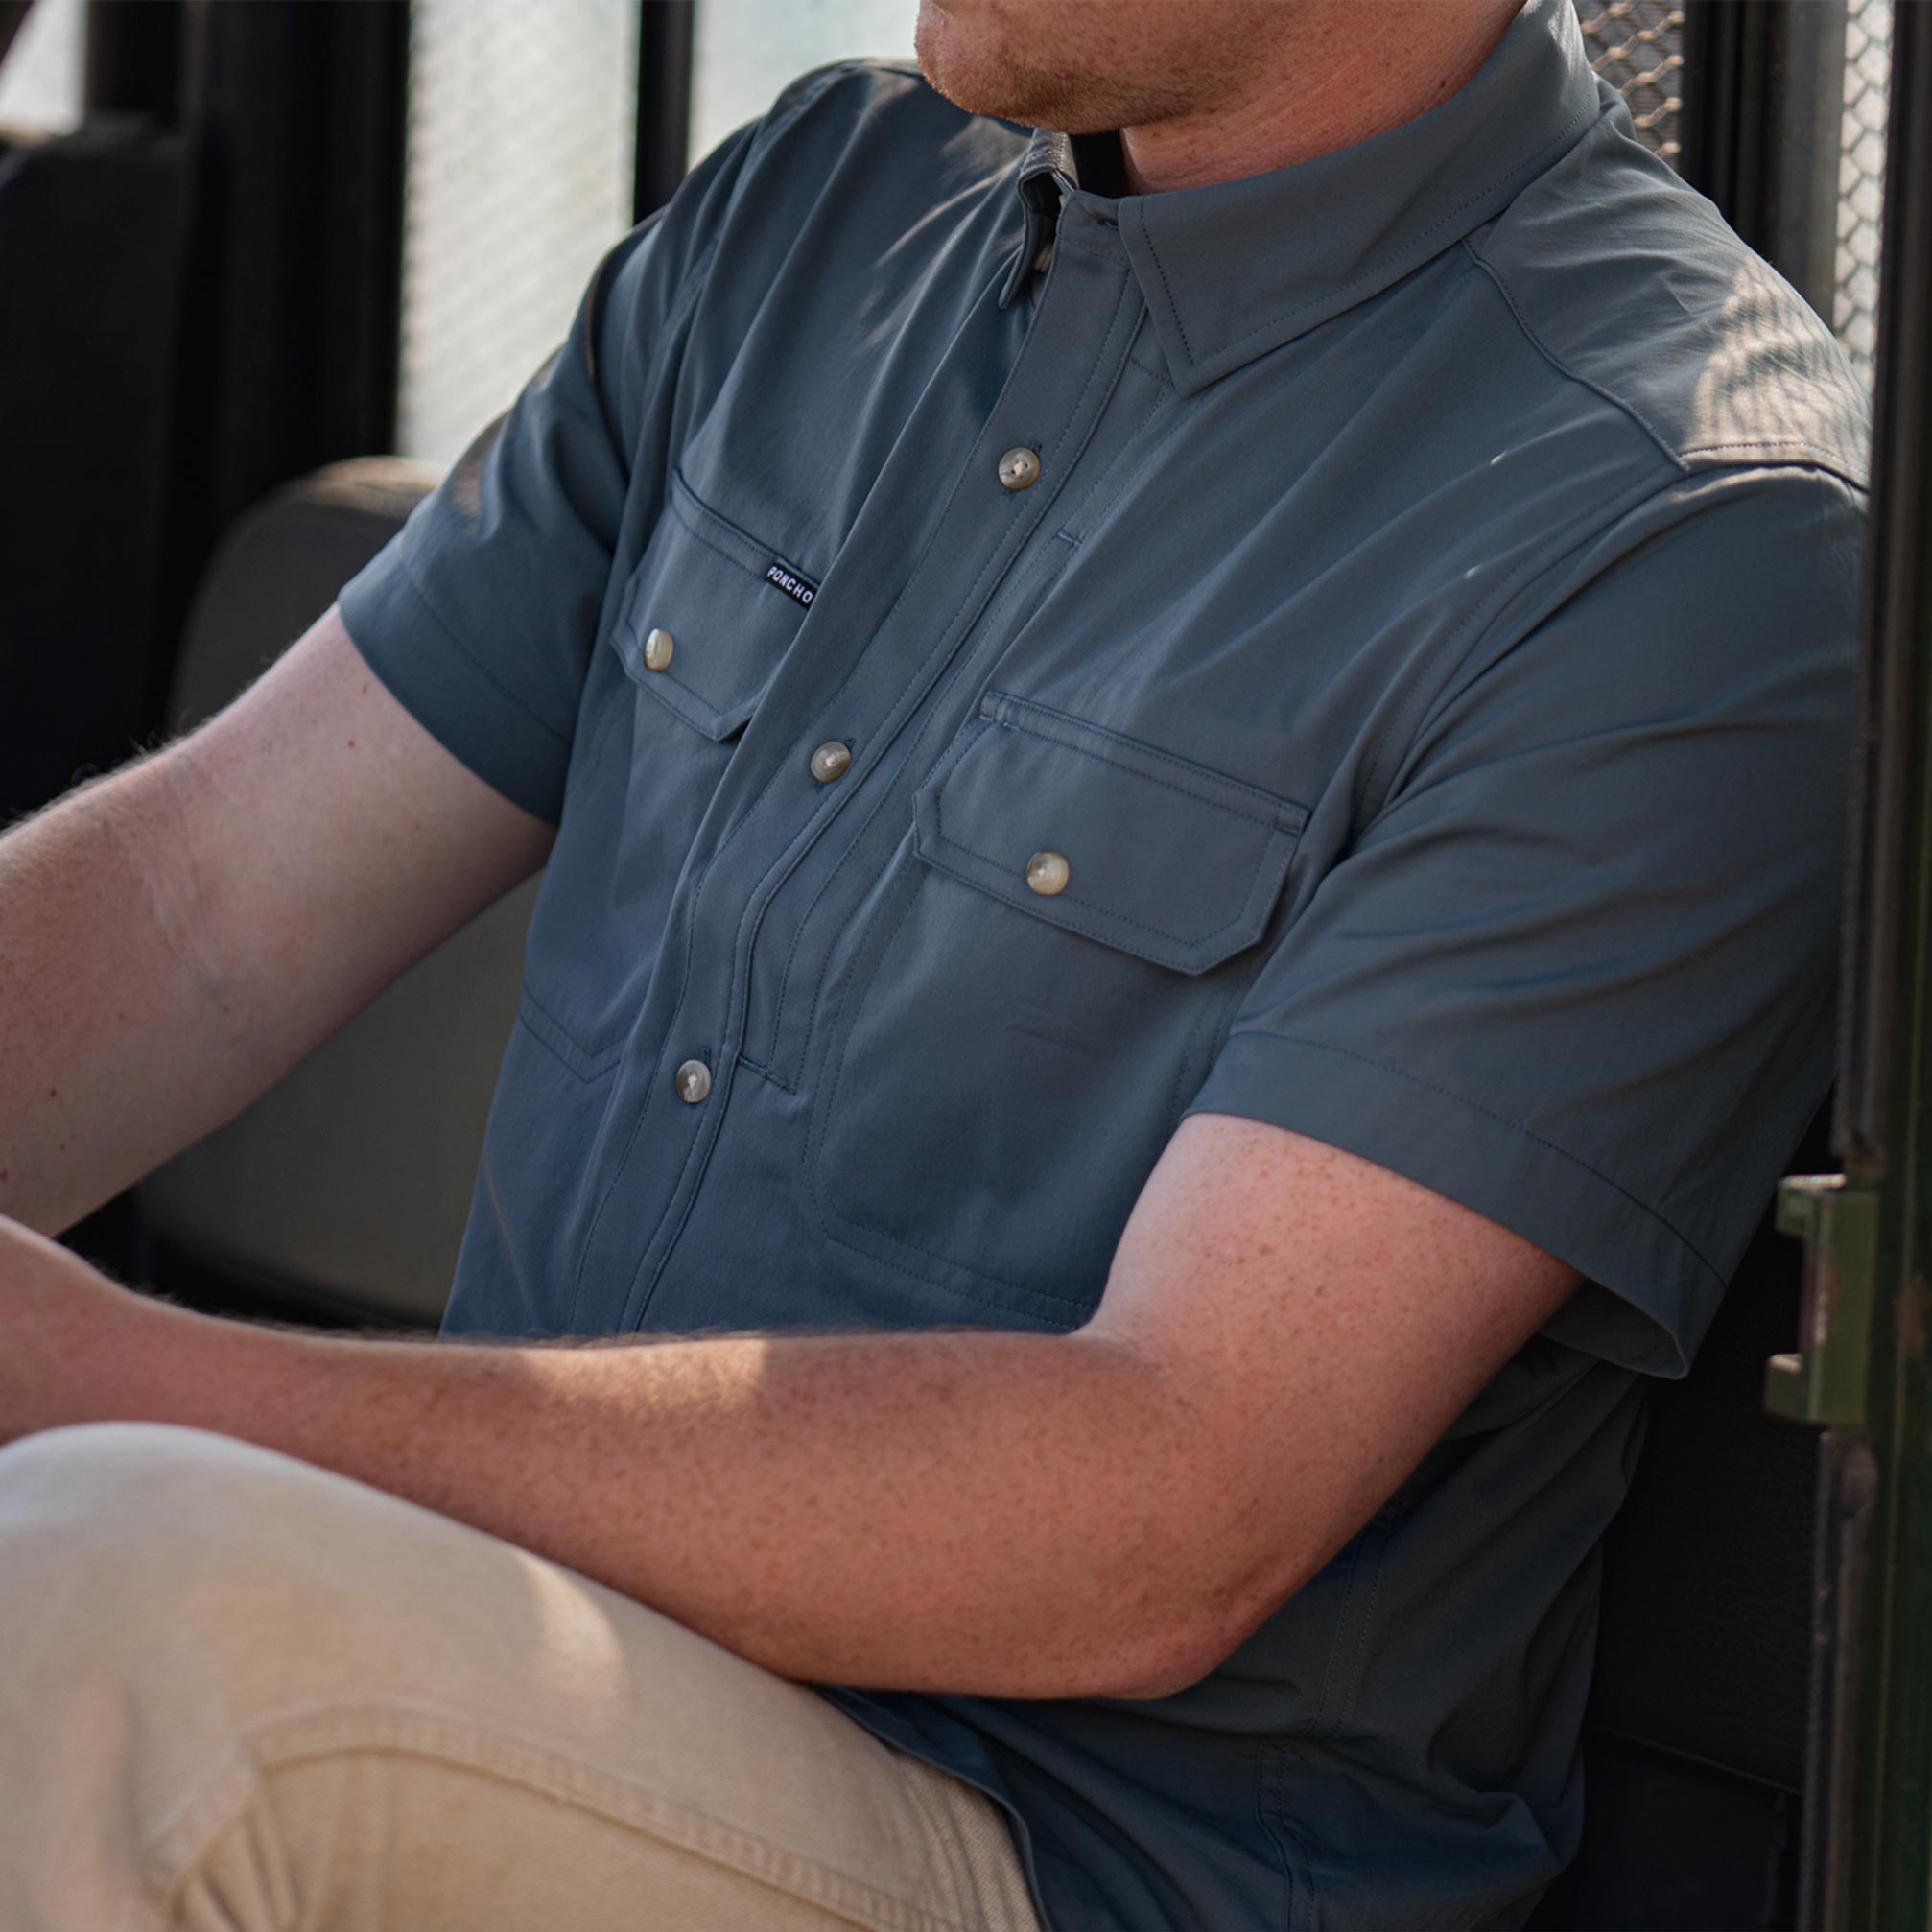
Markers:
1337,72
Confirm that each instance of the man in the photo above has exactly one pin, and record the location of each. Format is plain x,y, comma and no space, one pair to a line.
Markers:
1193,782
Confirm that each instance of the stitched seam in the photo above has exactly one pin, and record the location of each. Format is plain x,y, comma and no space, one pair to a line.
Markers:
1272,819
1768,455
328,1730
960,484
1563,368
1115,479
1363,1629
947,1282
704,871
637,1296
1272,1810
1128,476
1502,1120
637,1122
1042,569
924,731
1140,208
1406,250
1053,915
1316,1725
469,657
819,1195
744,536
597,1062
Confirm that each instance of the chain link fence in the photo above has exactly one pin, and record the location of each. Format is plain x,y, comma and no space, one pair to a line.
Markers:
520,159
1861,177
1637,46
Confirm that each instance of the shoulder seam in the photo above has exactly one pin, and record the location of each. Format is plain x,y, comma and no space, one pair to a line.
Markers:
1563,368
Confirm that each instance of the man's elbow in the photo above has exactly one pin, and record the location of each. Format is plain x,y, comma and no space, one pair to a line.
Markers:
1167,1655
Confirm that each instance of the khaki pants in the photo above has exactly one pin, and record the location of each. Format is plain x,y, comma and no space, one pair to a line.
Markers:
239,1695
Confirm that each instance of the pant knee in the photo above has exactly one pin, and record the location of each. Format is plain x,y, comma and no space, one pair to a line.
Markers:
125,1541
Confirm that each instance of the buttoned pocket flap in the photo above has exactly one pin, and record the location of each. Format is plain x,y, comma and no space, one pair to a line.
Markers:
1106,835
709,613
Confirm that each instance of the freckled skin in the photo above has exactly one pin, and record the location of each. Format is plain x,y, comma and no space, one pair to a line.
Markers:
1286,1326
1206,90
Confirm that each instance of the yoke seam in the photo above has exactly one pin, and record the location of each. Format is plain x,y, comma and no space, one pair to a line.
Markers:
1625,409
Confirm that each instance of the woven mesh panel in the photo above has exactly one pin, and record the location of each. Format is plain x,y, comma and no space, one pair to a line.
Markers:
1637,46
522,124
1861,177
520,158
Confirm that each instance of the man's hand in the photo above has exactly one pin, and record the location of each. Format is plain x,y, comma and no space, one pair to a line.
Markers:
1107,1513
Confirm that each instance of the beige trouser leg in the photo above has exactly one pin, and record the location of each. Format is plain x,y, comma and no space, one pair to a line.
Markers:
239,1695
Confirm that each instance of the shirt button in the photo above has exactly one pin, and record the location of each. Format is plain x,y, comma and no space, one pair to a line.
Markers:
1044,259
1048,873
830,761
694,1081
1020,469
657,650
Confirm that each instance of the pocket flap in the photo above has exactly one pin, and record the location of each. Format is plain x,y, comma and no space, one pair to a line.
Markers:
729,605
1163,857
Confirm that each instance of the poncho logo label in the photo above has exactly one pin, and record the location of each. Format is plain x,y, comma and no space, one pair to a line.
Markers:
794,586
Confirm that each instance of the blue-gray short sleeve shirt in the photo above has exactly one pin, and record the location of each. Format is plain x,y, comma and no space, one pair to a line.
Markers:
1364,647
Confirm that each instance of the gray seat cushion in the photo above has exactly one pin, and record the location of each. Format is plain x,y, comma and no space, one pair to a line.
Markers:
346,1187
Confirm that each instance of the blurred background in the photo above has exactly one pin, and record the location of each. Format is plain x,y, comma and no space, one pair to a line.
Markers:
534,132
268,266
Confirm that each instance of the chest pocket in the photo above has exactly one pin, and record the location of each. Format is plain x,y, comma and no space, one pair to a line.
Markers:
701,631
708,614
1036,1000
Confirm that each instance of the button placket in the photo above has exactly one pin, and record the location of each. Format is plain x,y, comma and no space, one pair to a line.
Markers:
786,985
1059,386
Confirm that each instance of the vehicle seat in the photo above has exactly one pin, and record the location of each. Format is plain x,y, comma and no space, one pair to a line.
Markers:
1694,1744
343,1191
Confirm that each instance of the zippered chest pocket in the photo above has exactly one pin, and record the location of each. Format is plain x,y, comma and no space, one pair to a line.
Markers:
1035,1000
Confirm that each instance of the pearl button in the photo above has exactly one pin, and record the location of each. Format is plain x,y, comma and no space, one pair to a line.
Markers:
1048,873
1020,469
694,1081
657,650
830,761
1044,259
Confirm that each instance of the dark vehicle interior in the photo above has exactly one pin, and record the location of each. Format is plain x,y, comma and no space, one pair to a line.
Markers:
231,280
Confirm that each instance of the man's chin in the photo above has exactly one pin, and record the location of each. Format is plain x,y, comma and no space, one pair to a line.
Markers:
977,80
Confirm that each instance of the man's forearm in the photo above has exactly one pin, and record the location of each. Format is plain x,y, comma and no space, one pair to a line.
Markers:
99,989
973,1512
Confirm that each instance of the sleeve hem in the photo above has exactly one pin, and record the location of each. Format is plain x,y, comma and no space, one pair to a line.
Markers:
1649,1293
449,691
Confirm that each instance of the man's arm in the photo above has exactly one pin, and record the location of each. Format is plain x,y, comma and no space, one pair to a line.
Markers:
176,937
1285,1330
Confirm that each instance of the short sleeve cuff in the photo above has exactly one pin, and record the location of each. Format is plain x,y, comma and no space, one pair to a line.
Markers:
431,673
1648,1294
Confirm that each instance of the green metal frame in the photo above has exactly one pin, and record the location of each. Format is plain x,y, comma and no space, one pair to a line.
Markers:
1863,1367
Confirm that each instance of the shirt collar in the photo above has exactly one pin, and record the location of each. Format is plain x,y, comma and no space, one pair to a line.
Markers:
1234,269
